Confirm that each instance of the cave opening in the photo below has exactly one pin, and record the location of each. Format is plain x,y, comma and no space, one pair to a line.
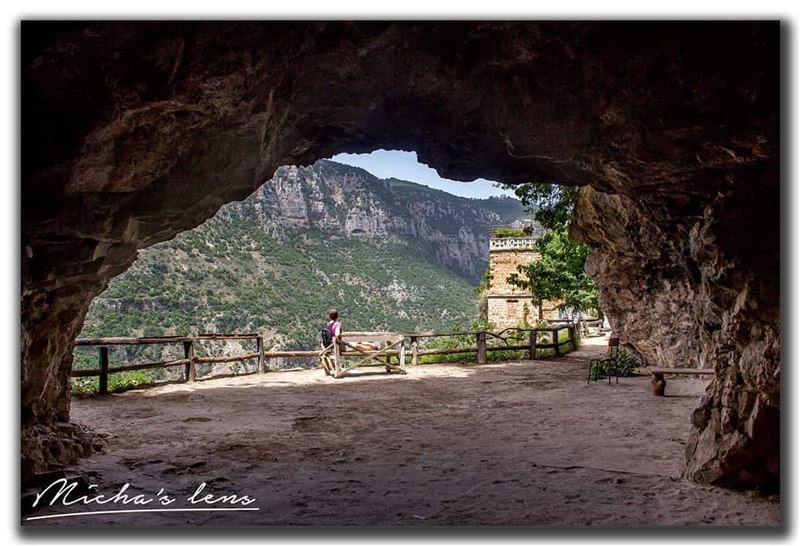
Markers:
393,251
676,146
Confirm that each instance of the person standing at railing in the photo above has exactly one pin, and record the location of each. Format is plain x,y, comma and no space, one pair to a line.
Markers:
330,335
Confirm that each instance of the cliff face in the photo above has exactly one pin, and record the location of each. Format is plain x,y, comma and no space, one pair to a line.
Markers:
133,133
348,201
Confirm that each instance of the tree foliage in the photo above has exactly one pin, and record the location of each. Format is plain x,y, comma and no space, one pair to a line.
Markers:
509,232
560,274
552,205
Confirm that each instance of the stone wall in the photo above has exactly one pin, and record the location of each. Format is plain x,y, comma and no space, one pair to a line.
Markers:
503,264
507,305
508,312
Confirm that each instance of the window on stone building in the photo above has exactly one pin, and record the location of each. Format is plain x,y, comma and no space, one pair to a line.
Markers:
511,308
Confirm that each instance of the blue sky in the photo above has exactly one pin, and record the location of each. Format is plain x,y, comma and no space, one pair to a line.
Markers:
404,165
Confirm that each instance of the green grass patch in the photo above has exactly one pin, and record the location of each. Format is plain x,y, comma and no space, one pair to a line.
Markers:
117,382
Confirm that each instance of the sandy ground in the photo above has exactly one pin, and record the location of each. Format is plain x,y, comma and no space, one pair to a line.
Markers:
524,442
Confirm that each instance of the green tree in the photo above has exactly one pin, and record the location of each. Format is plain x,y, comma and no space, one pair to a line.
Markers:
552,206
560,274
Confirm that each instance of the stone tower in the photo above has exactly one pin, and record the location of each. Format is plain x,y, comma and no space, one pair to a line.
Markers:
509,305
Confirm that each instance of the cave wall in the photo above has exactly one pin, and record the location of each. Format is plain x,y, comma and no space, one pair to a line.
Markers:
134,132
702,291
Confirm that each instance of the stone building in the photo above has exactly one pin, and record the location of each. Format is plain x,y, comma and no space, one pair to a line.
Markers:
508,305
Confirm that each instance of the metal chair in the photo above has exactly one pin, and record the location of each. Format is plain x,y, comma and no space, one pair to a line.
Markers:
597,365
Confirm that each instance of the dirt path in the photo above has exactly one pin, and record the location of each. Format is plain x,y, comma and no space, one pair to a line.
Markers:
525,442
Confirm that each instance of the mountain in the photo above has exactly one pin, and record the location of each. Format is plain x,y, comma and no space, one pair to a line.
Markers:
389,254
349,201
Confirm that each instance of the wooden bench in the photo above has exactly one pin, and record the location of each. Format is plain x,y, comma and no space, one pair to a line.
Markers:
370,347
660,384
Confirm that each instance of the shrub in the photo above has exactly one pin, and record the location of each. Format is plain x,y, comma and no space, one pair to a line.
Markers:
503,232
123,381
84,385
622,364
117,382
496,356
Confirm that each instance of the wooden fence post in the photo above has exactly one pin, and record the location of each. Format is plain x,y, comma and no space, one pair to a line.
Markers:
103,370
337,358
555,341
414,349
481,339
532,342
260,345
188,352
571,330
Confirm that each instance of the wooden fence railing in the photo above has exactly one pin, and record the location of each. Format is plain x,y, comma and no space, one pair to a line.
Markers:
190,360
